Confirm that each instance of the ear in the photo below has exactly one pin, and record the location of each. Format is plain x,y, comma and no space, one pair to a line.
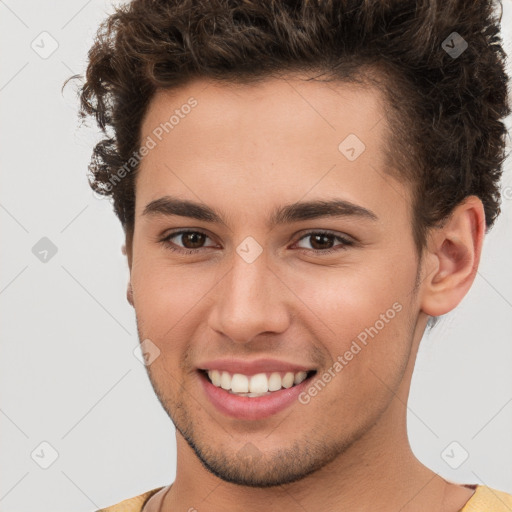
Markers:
452,258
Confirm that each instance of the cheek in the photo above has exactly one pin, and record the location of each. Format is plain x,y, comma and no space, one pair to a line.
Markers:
162,288
368,351
362,318
169,301
347,300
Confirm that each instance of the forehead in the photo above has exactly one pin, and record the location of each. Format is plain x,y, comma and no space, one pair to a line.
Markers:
284,134
268,106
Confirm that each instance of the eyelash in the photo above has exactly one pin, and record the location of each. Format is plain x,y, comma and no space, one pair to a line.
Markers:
345,241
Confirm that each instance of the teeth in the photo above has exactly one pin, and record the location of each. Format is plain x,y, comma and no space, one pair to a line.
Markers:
255,385
299,377
288,380
274,382
240,383
225,381
258,383
215,377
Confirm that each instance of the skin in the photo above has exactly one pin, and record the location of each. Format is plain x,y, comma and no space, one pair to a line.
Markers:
245,150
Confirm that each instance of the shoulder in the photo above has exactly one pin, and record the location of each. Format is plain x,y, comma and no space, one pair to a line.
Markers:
488,499
134,504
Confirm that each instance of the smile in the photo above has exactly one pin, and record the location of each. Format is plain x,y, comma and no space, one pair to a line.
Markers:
260,384
256,396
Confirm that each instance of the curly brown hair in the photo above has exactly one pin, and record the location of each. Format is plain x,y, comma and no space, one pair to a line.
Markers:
445,110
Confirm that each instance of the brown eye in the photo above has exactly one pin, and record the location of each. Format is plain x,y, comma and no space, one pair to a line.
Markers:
192,239
323,243
187,242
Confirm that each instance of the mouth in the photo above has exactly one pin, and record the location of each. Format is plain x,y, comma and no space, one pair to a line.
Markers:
253,389
256,385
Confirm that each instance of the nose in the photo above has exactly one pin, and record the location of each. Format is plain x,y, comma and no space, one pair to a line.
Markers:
249,301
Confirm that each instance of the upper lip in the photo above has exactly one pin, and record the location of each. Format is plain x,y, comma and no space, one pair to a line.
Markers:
232,365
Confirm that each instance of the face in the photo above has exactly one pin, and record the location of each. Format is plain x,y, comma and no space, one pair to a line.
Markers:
258,276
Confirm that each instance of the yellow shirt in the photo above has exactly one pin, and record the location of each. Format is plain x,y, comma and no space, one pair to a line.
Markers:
484,499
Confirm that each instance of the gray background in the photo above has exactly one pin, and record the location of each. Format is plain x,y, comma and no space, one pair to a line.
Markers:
69,376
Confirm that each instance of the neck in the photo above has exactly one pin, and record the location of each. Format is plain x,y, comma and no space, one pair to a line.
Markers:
370,474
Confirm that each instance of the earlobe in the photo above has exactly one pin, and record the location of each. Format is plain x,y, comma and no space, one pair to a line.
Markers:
129,293
453,257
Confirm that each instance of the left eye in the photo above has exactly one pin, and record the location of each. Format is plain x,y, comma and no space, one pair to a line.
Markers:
320,238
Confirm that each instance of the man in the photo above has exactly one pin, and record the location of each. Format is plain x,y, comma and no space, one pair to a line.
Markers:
303,188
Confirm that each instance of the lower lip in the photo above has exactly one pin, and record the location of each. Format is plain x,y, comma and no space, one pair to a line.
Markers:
247,408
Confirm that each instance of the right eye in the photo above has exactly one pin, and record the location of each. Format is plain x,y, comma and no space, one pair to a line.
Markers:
192,241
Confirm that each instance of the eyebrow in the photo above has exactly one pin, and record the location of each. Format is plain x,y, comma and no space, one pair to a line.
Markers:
294,212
